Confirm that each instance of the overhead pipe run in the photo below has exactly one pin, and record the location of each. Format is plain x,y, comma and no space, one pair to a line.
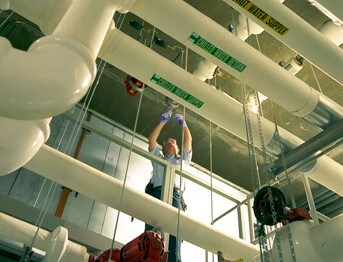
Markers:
331,8
20,140
80,177
333,31
257,71
169,79
43,92
292,30
220,47
55,244
205,68
73,48
55,73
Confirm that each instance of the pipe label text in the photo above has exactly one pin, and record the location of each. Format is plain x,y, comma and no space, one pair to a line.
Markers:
262,16
176,91
216,52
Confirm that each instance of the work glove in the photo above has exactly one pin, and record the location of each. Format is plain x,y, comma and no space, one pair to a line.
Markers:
166,116
180,120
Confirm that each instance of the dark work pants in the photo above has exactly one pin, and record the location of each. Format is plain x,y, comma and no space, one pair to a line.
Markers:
174,254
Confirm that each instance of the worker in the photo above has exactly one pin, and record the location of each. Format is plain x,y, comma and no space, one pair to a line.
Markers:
171,153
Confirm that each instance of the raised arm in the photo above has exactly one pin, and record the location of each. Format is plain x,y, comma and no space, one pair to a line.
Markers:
187,137
157,130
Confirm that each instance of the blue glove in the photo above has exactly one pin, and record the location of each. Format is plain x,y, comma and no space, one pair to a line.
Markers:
179,119
166,116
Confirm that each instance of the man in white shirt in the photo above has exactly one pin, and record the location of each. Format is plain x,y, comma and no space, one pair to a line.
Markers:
170,152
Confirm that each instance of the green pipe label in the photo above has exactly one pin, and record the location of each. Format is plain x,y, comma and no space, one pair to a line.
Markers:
216,52
263,16
176,91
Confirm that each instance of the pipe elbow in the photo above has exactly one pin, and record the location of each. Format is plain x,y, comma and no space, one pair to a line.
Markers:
20,141
50,78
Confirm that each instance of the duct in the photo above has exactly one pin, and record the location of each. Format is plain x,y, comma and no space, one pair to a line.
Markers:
282,143
331,8
295,33
20,140
80,177
55,244
167,78
325,113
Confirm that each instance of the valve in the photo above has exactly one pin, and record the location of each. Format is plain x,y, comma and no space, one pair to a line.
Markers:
147,247
133,85
171,104
263,206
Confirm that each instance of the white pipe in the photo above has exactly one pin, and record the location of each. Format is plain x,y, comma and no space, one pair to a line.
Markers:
55,244
328,239
20,140
22,232
333,31
44,88
205,70
53,15
260,72
300,36
289,92
136,59
82,178
131,57
73,48
88,21
242,27
312,243
334,7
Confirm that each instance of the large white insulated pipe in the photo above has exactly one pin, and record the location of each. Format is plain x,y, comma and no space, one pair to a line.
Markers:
22,232
262,73
215,43
312,243
48,88
292,30
82,178
169,79
19,141
335,7
205,69
55,244
54,75
333,31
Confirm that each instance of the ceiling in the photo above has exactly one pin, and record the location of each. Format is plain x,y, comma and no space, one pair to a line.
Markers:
230,154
